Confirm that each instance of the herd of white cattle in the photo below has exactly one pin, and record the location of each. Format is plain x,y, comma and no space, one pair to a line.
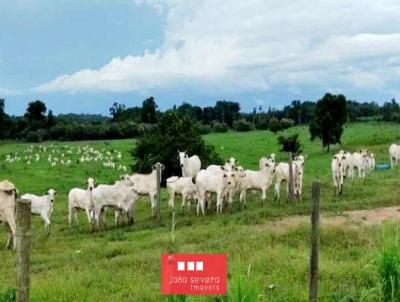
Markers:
67,156
195,185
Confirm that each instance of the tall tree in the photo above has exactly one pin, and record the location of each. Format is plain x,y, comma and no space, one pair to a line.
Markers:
36,111
227,112
116,111
4,120
330,114
149,108
51,120
290,145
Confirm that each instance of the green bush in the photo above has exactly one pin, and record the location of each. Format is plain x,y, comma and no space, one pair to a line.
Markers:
220,127
274,125
286,123
37,136
242,125
204,129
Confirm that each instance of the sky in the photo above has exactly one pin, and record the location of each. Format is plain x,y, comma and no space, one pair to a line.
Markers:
81,56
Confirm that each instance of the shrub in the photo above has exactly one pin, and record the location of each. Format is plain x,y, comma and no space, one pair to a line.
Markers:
274,125
286,123
262,123
174,132
204,129
36,136
242,125
220,127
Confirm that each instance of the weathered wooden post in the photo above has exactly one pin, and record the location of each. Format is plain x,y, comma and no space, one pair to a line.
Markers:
23,222
313,294
291,177
159,168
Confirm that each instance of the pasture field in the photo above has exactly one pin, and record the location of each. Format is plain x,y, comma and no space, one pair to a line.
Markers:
123,264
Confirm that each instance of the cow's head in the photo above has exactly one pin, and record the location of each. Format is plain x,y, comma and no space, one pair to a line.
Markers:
182,155
51,194
91,183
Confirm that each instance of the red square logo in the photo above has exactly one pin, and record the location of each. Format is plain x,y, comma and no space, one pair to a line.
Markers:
193,274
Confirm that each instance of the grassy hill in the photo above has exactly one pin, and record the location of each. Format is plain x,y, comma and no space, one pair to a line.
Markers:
123,264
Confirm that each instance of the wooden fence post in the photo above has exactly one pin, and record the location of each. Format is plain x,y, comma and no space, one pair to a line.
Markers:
313,294
158,214
291,178
23,222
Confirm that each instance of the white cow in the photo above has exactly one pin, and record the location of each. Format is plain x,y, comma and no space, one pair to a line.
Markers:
121,196
299,161
282,175
371,161
229,165
347,164
338,171
394,153
257,180
79,199
146,184
8,193
43,206
190,165
359,161
210,182
183,186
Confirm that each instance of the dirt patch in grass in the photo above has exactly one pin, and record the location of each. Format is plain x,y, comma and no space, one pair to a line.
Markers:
353,218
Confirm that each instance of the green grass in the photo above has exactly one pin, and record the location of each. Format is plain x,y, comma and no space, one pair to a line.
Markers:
123,264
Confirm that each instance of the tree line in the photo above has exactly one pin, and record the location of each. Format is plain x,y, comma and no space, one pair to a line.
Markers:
38,123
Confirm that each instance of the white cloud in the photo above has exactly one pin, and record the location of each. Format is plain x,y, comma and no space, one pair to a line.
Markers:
256,45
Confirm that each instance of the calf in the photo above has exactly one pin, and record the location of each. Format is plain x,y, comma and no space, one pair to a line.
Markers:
183,186
121,196
257,180
338,171
282,175
210,182
359,161
43,206
79,199
146,184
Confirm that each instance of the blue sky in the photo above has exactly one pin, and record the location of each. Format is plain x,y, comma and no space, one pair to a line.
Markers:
81,56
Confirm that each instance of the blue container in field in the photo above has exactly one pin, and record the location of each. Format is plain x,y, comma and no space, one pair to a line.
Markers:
381,167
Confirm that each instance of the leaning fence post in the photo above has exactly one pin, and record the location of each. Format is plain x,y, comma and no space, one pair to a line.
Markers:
23,240
158,214
313,294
